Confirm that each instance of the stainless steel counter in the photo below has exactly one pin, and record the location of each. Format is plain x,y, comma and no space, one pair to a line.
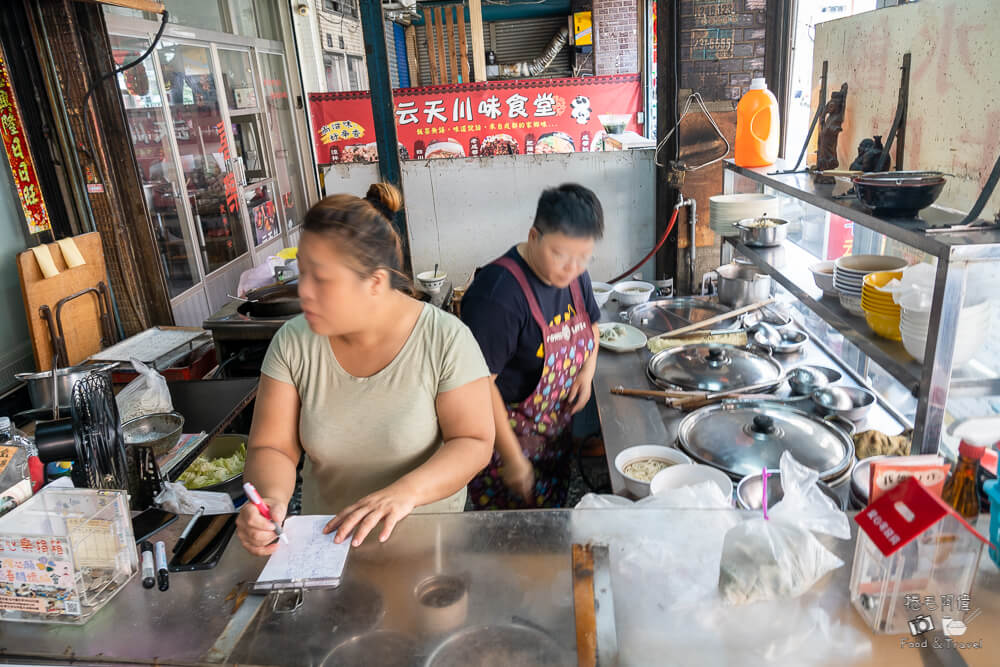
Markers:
517,568
627,421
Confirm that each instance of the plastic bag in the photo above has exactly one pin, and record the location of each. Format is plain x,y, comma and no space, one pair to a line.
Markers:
261,275
146,395
779,557
176,498
706,495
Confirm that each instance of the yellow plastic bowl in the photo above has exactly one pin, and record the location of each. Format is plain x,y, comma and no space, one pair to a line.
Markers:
886,326
880,308
880,278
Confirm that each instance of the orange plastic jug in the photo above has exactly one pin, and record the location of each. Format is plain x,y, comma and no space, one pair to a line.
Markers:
757,132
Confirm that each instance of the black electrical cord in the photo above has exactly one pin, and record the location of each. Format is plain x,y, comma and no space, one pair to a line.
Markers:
101,79
118,70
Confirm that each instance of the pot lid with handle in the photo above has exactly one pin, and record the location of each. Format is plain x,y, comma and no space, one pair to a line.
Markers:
743,437
712,367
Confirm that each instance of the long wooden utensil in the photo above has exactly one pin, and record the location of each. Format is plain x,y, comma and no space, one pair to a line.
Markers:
715,320
649,393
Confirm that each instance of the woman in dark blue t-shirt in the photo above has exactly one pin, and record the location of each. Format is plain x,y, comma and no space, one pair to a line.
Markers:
534,315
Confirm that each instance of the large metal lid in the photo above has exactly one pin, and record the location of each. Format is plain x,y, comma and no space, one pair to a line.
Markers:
744,437
712,367
662,315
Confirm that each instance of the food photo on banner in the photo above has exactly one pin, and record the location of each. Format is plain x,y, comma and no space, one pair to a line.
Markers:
478,119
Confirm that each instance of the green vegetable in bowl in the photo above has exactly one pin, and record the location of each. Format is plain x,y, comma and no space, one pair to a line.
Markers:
208,472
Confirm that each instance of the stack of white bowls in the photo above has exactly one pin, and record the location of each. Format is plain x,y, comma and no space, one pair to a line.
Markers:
970,334
726,210
849,276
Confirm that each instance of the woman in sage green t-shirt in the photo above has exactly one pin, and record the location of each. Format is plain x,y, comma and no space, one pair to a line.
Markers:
387,396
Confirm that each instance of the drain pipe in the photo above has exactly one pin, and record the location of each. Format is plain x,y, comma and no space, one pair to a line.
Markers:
692,223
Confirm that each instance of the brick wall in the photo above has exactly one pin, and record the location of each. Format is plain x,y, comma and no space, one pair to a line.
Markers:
722,46
616,23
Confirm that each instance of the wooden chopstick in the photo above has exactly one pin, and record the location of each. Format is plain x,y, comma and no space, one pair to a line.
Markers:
715,320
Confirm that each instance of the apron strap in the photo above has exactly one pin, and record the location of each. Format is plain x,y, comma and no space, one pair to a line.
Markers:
577,291
529,294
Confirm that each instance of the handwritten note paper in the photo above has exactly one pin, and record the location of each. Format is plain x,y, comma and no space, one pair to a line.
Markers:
309,556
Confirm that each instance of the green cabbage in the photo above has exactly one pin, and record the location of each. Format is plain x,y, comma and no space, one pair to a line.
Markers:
206,472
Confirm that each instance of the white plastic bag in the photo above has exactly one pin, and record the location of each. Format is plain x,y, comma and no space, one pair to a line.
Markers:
176,498
779,557
146,395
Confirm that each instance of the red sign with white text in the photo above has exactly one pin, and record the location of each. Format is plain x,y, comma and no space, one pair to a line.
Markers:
19,155
477,119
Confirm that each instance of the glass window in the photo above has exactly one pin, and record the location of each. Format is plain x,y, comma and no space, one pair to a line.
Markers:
335,65
281,129
257,18
237,77
207,14
345,7
205,153
162,182
248,147
358,74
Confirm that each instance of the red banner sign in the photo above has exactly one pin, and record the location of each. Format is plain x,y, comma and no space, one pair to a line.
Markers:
478,119
15,142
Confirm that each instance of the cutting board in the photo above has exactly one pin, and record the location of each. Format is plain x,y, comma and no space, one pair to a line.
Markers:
80,317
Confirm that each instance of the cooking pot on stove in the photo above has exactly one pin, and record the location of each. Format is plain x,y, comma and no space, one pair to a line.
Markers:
743,437
741,284
713,368
273,301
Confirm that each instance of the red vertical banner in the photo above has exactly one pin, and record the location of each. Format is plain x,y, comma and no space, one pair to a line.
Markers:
478,119
22,167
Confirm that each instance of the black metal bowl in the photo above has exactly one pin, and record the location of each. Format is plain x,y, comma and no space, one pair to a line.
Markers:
897,196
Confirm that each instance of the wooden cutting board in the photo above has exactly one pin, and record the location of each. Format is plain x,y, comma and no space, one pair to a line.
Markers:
80,317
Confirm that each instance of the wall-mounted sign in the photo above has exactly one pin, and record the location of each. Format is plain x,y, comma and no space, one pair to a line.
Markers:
15,142
477,119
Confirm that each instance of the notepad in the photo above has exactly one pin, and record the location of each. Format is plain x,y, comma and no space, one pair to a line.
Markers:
309,560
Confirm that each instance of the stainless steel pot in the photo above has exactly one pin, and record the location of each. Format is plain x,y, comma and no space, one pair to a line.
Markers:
762,232
750,491
743,437
40,385
740,285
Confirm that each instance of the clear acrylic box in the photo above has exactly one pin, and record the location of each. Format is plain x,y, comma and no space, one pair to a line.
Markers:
64,553
922,587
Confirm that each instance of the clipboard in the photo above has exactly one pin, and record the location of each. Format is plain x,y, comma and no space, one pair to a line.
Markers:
310,559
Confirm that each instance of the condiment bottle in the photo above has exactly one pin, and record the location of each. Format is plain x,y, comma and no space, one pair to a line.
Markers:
585,142
418,150
474,147
960,487
529,144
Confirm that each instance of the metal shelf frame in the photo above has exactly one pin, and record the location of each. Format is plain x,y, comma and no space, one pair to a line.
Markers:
932,382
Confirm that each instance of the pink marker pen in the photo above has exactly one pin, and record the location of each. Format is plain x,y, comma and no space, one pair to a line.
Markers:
264,510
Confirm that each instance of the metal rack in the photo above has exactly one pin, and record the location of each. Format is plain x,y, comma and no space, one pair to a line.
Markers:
933,381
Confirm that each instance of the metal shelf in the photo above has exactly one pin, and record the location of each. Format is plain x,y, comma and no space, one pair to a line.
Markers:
789,265
906,230
792,273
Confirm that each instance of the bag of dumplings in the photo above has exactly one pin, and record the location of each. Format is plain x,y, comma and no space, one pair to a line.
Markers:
777,555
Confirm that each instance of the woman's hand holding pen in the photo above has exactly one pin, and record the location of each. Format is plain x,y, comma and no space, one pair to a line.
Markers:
389,505
257,533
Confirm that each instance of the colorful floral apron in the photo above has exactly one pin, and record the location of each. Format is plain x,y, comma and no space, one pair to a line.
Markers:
540,420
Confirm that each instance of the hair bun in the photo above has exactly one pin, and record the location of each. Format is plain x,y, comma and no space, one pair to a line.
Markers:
385,197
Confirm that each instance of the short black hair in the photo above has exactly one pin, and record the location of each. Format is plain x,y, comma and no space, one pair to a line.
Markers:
572,210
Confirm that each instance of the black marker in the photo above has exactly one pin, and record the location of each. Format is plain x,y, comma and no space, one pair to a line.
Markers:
161,566
148,573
